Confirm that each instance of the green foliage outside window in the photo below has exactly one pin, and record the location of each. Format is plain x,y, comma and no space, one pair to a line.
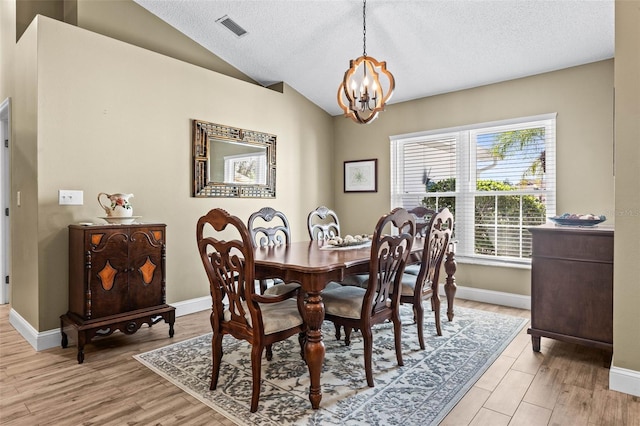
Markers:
498,220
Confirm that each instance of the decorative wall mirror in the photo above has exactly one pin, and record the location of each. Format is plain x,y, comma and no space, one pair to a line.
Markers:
232,162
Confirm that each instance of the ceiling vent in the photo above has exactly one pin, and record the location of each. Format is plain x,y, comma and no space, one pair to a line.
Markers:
232,26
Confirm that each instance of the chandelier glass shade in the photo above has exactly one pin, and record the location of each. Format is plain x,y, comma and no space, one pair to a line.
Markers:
367,84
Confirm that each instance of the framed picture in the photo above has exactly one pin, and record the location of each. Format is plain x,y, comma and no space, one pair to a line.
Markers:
361,176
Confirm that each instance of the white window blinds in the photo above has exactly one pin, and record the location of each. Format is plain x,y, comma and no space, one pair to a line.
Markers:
498,179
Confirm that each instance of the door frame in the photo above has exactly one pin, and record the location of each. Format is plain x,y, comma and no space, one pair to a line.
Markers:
5,200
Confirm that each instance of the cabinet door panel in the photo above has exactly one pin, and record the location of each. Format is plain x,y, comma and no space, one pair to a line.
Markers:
146,264
572,298
109,281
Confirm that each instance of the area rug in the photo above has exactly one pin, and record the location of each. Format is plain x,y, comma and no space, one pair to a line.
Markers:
422,392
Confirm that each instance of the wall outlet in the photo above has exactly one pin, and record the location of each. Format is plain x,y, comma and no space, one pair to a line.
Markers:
67,197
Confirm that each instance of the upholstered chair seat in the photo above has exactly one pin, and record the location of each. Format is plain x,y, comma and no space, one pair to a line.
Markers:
412,269
408,284
275,316
344,301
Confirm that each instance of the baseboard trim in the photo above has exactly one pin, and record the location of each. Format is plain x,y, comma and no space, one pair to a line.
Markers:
52,338
192,306
624,380
494,297
41,341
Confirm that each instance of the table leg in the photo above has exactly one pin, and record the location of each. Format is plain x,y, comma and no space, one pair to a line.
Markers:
450,284
314,347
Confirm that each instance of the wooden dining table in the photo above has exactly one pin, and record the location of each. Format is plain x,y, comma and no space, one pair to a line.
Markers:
313,266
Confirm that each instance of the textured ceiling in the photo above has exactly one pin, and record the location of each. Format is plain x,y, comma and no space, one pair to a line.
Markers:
430,46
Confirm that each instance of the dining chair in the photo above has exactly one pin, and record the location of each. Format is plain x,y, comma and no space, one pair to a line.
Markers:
237,309
423,219
355,307
417,288
323,224
267,236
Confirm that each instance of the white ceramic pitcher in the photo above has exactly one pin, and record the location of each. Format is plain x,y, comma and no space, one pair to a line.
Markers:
119,205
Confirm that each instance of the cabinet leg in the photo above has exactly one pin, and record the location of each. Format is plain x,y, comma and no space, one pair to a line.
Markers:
535,342
170,329
65,339
82,339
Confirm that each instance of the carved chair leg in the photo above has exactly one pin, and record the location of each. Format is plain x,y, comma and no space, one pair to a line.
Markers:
397,334
419,316
256,370
347,336
216,350
269,353
337,331
435,301
368,354
302,339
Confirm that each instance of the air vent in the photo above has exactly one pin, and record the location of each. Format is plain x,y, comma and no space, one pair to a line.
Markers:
232,26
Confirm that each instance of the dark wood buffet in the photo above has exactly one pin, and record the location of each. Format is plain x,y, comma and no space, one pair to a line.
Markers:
572,285
116,281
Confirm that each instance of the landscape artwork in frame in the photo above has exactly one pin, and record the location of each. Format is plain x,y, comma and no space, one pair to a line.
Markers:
361,176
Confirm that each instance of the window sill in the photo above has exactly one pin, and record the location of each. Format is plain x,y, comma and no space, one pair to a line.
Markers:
516,264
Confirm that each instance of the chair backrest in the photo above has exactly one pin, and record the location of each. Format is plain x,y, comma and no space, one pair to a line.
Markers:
323,224
389,255
435,248
263,236
423,219
230,269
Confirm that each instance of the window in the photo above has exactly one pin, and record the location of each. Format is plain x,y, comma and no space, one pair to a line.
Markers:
246,168
498,179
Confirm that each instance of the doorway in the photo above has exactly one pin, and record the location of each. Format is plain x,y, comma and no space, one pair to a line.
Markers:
5,188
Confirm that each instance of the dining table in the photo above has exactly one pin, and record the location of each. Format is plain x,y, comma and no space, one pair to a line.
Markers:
313,264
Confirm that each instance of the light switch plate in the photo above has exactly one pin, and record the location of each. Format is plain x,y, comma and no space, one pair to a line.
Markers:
68,197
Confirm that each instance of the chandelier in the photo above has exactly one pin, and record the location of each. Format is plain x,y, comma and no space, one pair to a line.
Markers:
361,94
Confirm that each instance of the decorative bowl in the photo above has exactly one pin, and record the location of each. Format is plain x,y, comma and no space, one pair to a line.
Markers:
565,220
362,243
349,241
121,220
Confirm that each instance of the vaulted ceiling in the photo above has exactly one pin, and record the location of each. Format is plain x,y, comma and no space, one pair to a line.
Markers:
430,46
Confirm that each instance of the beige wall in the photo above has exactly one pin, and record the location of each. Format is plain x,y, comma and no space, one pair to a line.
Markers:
581,96
7,47
626,321
24,178
128,21
123,125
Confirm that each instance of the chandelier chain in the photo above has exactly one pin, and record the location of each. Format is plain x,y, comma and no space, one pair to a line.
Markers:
364,28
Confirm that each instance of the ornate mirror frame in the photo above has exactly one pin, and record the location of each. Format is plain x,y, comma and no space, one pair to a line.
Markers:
203,186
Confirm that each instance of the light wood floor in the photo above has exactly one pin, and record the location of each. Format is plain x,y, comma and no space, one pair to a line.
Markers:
564,384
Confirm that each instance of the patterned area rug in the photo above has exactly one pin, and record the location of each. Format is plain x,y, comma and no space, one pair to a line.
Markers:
422,392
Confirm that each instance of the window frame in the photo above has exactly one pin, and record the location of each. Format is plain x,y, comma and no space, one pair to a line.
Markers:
465,175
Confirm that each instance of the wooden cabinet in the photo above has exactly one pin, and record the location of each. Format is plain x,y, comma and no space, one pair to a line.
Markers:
572,285
116,281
